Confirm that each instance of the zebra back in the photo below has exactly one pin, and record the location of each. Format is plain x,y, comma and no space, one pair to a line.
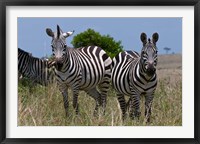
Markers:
35,69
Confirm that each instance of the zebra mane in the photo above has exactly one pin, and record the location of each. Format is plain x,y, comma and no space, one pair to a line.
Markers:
29,54
23,51
58,31
149,40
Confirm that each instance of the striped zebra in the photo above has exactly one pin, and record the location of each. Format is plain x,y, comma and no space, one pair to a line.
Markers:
86,68
37,70
134,75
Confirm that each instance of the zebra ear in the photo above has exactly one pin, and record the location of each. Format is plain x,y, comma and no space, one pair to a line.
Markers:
67,34
49,32
155,37
143,38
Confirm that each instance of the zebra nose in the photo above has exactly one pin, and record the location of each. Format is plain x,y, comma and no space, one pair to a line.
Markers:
150,63
59,60
151,68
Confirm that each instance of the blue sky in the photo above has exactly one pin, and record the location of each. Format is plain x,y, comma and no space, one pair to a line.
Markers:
32,35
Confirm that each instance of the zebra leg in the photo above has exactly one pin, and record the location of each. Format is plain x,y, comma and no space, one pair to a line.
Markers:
97,97
148,104
104,88
75,99
134,106
122,103
64,91
66,102
129,107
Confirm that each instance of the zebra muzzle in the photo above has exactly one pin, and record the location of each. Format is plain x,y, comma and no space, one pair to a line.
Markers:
59,64
151,70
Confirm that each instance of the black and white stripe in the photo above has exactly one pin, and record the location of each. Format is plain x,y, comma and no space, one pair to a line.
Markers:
134,75
37,70
87,68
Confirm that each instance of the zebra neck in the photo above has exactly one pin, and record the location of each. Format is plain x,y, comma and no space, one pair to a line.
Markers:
67,64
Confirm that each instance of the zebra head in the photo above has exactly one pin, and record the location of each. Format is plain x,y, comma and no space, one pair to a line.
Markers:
58,43
149,51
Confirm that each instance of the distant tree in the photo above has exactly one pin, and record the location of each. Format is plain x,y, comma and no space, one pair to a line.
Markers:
91,38
167,49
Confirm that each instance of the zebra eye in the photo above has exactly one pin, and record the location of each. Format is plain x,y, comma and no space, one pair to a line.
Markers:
144,54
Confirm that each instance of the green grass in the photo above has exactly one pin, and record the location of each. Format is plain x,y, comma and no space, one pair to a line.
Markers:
43,106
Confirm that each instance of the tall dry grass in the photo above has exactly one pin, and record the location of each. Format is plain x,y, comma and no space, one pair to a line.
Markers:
43,106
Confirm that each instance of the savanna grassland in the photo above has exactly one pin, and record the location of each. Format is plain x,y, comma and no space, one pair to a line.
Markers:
43,106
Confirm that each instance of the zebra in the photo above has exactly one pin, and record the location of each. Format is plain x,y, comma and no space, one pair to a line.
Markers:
34,68
134,75
86,68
